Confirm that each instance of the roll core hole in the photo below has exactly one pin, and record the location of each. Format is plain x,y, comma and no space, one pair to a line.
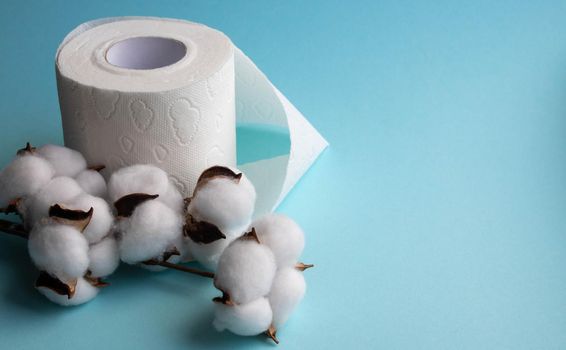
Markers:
146,52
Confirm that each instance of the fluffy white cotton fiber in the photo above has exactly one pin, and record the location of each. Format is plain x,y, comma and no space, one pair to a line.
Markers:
24,176
92,182
137,179
173,198
181,243
67,162
84,292
149,232
283,236
248,270
260,284
208,254
224,202
147,179
245,271
287,291
247,319
174,259
59,249
102,218
104,257
59,190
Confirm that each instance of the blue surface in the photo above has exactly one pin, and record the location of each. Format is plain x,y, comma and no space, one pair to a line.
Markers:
437,219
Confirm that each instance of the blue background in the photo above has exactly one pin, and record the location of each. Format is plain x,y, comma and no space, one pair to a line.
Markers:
436,220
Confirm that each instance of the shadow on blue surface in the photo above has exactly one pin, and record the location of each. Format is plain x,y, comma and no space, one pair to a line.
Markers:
203,334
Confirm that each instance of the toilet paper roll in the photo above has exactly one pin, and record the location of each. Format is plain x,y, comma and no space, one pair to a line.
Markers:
169,92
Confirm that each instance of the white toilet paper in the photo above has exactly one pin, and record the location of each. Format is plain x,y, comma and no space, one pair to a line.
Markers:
168,92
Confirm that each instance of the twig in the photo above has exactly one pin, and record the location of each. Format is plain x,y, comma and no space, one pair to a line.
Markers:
180,268
16,229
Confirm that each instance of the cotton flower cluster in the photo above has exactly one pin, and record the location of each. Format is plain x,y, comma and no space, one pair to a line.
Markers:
260,278
154,222
149,212
80,228
62,204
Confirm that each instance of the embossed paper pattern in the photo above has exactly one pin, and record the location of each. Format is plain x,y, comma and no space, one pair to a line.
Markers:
180,117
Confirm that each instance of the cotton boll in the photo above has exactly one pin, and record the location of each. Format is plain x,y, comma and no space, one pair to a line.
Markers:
149,232
208,254
24,176
84,292
102,218
287,291
283,236
59,249
245,271
67,162
248,319
104,257
224,202
92,182
59,190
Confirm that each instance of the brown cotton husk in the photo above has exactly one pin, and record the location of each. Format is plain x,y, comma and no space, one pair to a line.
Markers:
201,231
77,218
95,281
47,281
169,253
13,207
224,299
28,149
98,167
302,266
217,171
272,334
250,236
126,205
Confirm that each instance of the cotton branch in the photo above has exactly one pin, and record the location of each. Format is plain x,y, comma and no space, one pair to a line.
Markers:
18,230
